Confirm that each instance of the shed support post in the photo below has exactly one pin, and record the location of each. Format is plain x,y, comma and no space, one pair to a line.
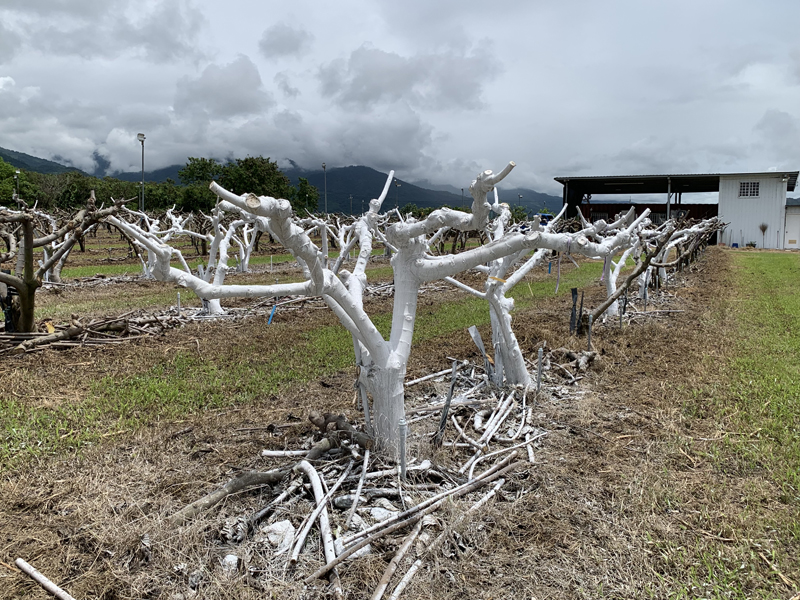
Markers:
669,197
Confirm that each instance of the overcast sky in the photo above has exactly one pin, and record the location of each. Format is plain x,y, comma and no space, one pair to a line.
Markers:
435,89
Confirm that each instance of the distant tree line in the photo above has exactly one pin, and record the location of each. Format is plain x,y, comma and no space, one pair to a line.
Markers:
255,174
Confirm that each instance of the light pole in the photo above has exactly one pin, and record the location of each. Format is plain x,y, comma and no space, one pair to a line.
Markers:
141,138
16,187
351,204
462,197
396,192
325,175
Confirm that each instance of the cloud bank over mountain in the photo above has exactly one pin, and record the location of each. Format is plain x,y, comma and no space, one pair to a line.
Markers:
436,91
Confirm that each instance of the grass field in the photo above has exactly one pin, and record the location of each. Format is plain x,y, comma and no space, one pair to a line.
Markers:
751,544
676,475
185,383
765,367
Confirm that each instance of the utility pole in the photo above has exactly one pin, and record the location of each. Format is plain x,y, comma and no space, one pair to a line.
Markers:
325,174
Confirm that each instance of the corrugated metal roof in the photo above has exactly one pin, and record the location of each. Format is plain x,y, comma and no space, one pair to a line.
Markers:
659,184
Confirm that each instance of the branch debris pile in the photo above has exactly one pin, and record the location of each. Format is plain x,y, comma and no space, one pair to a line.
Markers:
334,502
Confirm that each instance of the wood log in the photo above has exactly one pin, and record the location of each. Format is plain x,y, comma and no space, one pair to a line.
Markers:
241,481
322,503
69,333
324,524
341,424
395,562
363,478
43,581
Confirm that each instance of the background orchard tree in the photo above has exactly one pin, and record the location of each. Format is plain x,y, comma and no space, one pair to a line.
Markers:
18,229
382,361
255,174
600,240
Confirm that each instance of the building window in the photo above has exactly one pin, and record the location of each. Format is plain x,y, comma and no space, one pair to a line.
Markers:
748,189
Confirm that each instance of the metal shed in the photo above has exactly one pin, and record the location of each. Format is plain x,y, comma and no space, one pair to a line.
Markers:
745,200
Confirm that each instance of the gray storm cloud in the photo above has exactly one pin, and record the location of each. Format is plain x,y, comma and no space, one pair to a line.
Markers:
284,40
160,32
9,43
780,136
436,81
437,90
224,91
283,82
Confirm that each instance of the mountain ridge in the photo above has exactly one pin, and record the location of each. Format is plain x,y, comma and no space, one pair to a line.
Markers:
20,160
361,182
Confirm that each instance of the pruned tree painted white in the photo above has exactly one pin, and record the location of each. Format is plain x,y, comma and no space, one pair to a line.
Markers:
509,363
628,246
382,362
653,243
218,234
600,240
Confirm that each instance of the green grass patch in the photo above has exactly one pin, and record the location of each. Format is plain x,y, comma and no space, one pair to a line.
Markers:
76,272
765,370
757,395
186,383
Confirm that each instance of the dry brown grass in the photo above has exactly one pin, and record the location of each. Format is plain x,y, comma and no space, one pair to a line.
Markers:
628,498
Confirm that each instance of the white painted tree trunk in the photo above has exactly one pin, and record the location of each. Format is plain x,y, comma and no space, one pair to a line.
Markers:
644,281
385,385
510,367
611,272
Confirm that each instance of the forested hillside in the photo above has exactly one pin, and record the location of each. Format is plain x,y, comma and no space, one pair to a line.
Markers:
349,189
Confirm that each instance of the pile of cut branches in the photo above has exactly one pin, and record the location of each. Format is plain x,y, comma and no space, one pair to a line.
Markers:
464,447
113,330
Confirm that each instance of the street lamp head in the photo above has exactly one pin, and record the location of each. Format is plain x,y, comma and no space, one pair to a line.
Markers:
323,166
16,173
140,137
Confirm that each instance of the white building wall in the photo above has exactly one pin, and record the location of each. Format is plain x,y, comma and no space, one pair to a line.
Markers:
744,215
792,237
